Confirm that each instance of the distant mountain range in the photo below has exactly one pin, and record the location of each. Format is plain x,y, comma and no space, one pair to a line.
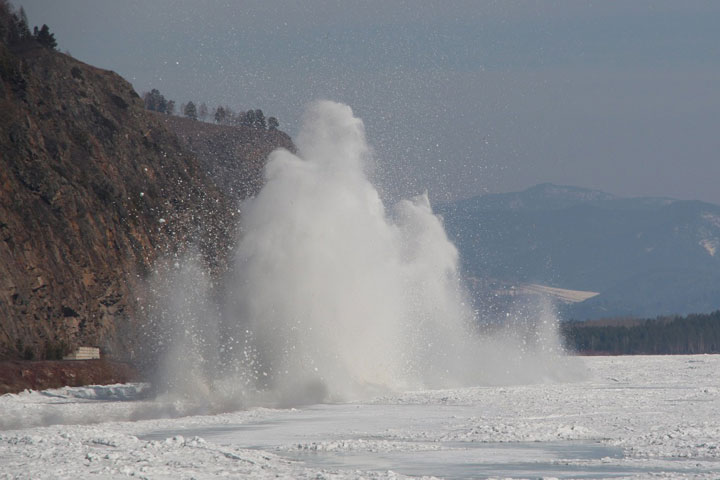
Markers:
644,256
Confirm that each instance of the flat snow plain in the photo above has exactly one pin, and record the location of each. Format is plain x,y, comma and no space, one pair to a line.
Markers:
633,417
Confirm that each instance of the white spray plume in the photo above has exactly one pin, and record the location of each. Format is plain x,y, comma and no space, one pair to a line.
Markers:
333,297
340,296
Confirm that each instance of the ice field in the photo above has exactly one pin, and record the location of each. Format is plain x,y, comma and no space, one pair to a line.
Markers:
633,417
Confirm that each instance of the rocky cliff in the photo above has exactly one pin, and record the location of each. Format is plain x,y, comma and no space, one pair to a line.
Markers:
234,156
93,189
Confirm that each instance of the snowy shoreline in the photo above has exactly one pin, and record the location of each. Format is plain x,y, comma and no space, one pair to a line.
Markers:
633,417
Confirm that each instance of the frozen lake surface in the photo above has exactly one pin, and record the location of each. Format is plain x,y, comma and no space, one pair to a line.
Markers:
638,417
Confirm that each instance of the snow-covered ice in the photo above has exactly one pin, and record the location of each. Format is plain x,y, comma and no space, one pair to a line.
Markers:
638,417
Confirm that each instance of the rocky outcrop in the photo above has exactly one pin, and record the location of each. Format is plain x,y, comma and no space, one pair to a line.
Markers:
234,156
93,189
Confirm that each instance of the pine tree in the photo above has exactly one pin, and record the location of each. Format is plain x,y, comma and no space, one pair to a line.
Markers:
190,111
155,101
220,114
248,118
259,119
23,25
45,38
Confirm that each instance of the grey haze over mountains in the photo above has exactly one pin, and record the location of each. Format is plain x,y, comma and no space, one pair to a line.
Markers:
644,256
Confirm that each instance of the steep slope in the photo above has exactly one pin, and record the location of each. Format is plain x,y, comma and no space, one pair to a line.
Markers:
646,256
234,156
92,190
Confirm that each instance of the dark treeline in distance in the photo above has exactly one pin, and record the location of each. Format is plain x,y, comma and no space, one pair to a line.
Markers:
693,334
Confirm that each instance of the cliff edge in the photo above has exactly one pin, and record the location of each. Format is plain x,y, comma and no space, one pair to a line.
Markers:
93,188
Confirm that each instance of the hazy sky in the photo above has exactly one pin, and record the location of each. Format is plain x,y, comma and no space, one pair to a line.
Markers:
458,97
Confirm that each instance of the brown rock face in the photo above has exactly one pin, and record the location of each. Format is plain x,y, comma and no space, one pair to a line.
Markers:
93,189
234,156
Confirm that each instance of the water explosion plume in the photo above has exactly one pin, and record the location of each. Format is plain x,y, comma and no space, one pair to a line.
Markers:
334,297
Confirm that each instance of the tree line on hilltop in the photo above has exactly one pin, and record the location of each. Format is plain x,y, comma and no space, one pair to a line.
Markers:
692,334
15,28
222,115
